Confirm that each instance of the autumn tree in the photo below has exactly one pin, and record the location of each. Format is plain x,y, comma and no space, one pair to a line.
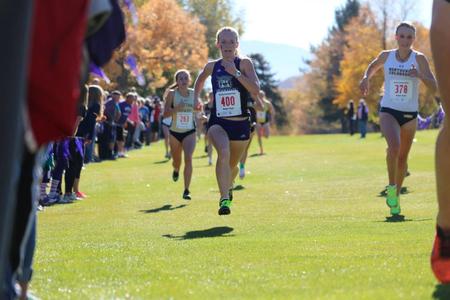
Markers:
303,113
362,46
166,38
214,14
269,86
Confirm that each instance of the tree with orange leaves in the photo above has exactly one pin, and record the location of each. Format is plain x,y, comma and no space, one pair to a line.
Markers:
362,45
165,39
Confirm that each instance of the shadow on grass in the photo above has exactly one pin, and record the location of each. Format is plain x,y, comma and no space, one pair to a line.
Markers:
403,191
207,233
256,154
161,162
167,207
200,156
442,292
401,218
397,218
238,187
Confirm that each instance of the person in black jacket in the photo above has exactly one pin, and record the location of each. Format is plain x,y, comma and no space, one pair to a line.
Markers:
351,117
85,136
363,116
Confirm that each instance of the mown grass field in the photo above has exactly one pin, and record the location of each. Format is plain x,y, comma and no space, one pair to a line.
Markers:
309,224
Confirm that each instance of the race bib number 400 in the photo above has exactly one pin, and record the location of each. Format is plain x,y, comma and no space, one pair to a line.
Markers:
401,91
228,103
184,120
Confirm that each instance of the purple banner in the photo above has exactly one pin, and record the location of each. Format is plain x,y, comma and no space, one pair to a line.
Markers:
423,123
132,8
131,61
96,70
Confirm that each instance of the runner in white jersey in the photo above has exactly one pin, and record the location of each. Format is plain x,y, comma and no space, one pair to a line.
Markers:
403,67
179,104
440,44
264,118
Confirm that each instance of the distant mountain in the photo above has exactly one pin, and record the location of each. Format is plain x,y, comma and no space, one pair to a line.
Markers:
288,83
284,60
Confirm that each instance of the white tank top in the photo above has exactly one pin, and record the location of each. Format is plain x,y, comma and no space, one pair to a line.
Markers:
183,121
401,92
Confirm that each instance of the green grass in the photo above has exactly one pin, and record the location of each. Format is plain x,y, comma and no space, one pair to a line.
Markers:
308,225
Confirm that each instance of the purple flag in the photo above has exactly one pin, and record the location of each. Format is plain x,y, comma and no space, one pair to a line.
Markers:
133,11
131,61
96,70
423,123
440,115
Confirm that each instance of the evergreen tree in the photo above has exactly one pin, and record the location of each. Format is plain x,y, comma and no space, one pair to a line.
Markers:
214,14
335,43
270,86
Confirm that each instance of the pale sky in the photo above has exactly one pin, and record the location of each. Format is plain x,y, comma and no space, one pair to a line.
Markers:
300,22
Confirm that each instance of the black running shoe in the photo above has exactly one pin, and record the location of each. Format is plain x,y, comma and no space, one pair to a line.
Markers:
224,207
175,175
186,195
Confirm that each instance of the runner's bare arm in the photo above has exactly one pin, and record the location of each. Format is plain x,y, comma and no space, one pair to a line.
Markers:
372,68
440,44
168,101
259,104
249,79
425,74
201,78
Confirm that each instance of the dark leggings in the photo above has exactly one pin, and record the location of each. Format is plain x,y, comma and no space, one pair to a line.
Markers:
75,165
58,170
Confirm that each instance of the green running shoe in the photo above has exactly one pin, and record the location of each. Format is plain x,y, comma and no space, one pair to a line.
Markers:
395,211
224,207
392,200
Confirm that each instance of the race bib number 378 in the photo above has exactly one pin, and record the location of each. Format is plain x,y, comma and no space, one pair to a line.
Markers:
401,91
228,103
